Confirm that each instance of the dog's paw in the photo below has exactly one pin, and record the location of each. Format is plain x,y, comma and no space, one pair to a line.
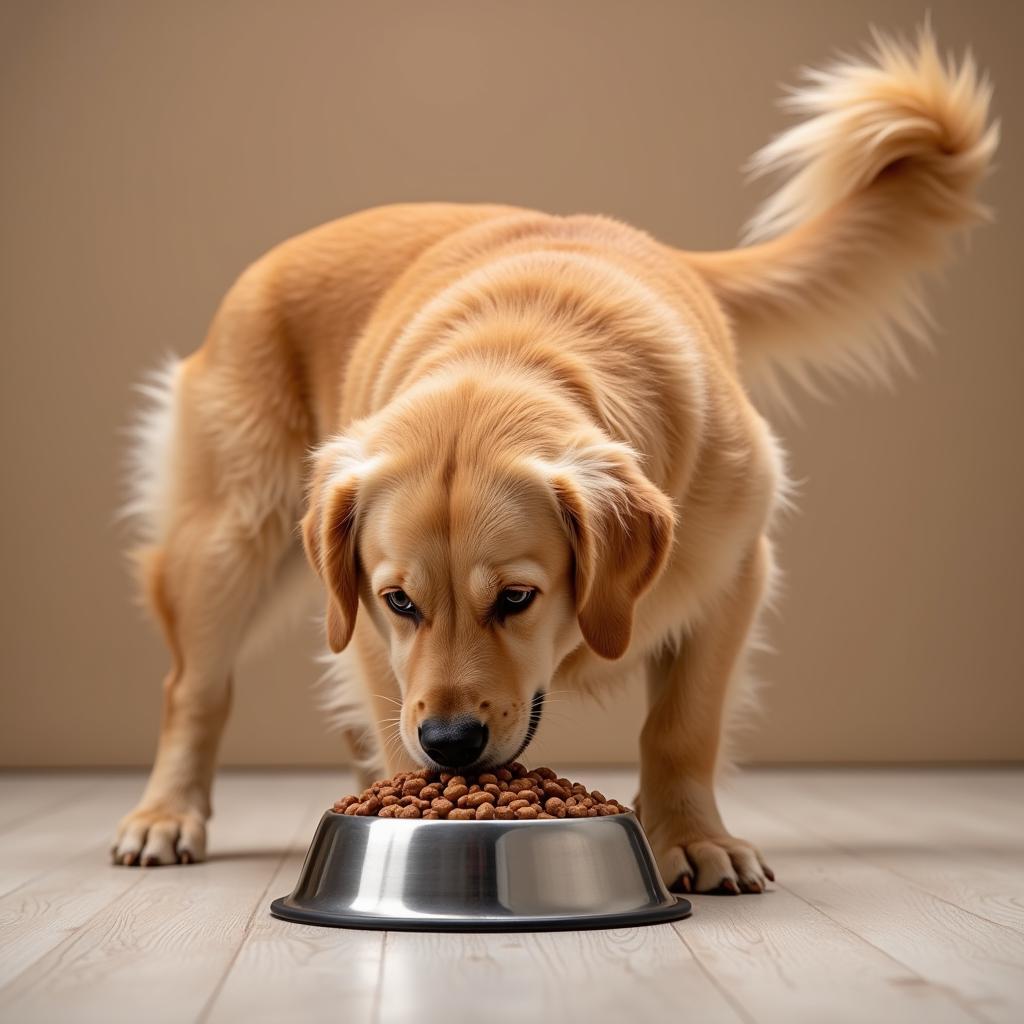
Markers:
150,836
718,864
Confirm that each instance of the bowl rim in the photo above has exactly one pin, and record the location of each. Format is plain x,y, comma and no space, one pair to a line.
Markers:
485,821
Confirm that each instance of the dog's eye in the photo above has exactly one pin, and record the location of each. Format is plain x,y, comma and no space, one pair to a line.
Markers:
400,603
514,599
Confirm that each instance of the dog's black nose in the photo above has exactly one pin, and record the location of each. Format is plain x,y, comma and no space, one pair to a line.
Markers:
453,742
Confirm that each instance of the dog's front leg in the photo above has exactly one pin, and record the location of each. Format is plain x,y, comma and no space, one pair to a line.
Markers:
680,741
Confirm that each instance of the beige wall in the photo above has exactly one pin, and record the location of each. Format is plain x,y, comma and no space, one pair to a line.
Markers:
151,150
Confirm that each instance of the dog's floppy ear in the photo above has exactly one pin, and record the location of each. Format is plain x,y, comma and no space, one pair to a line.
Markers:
329,531
620,527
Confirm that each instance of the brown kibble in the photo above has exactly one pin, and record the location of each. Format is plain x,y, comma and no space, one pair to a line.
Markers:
554,789
502,794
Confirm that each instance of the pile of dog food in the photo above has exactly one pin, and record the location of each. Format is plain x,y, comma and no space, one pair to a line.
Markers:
504,794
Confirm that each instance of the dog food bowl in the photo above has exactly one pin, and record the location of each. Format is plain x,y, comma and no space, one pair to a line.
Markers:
496,876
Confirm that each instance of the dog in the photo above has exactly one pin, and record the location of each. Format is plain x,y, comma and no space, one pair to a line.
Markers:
521,451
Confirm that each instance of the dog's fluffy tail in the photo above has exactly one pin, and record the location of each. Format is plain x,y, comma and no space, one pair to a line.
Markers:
882,173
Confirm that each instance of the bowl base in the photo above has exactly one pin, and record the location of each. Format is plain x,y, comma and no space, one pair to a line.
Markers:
285,909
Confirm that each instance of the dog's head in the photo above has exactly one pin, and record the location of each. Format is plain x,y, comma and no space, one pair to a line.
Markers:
486,539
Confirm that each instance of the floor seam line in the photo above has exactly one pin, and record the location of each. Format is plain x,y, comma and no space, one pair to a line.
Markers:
738,1008
850,852
207,1009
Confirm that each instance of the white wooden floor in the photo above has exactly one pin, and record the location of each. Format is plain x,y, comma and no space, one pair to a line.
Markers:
900,898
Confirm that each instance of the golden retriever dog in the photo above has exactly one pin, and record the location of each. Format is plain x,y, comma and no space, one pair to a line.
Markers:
523,452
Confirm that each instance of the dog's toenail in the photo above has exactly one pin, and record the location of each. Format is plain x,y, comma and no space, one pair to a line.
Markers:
128,859
150,861
769,874
729,885
185,857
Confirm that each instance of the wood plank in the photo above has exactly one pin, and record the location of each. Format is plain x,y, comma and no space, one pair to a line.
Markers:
874,918
42,842
43,913
339,968
978,963
161,949
28,795
929,832
783,961
641,974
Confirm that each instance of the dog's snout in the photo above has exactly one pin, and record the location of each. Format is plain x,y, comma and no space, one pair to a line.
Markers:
453,742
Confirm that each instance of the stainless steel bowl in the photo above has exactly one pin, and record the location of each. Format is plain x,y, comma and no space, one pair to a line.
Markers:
494,876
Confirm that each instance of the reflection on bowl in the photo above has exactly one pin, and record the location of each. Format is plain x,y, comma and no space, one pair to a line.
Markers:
368,872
